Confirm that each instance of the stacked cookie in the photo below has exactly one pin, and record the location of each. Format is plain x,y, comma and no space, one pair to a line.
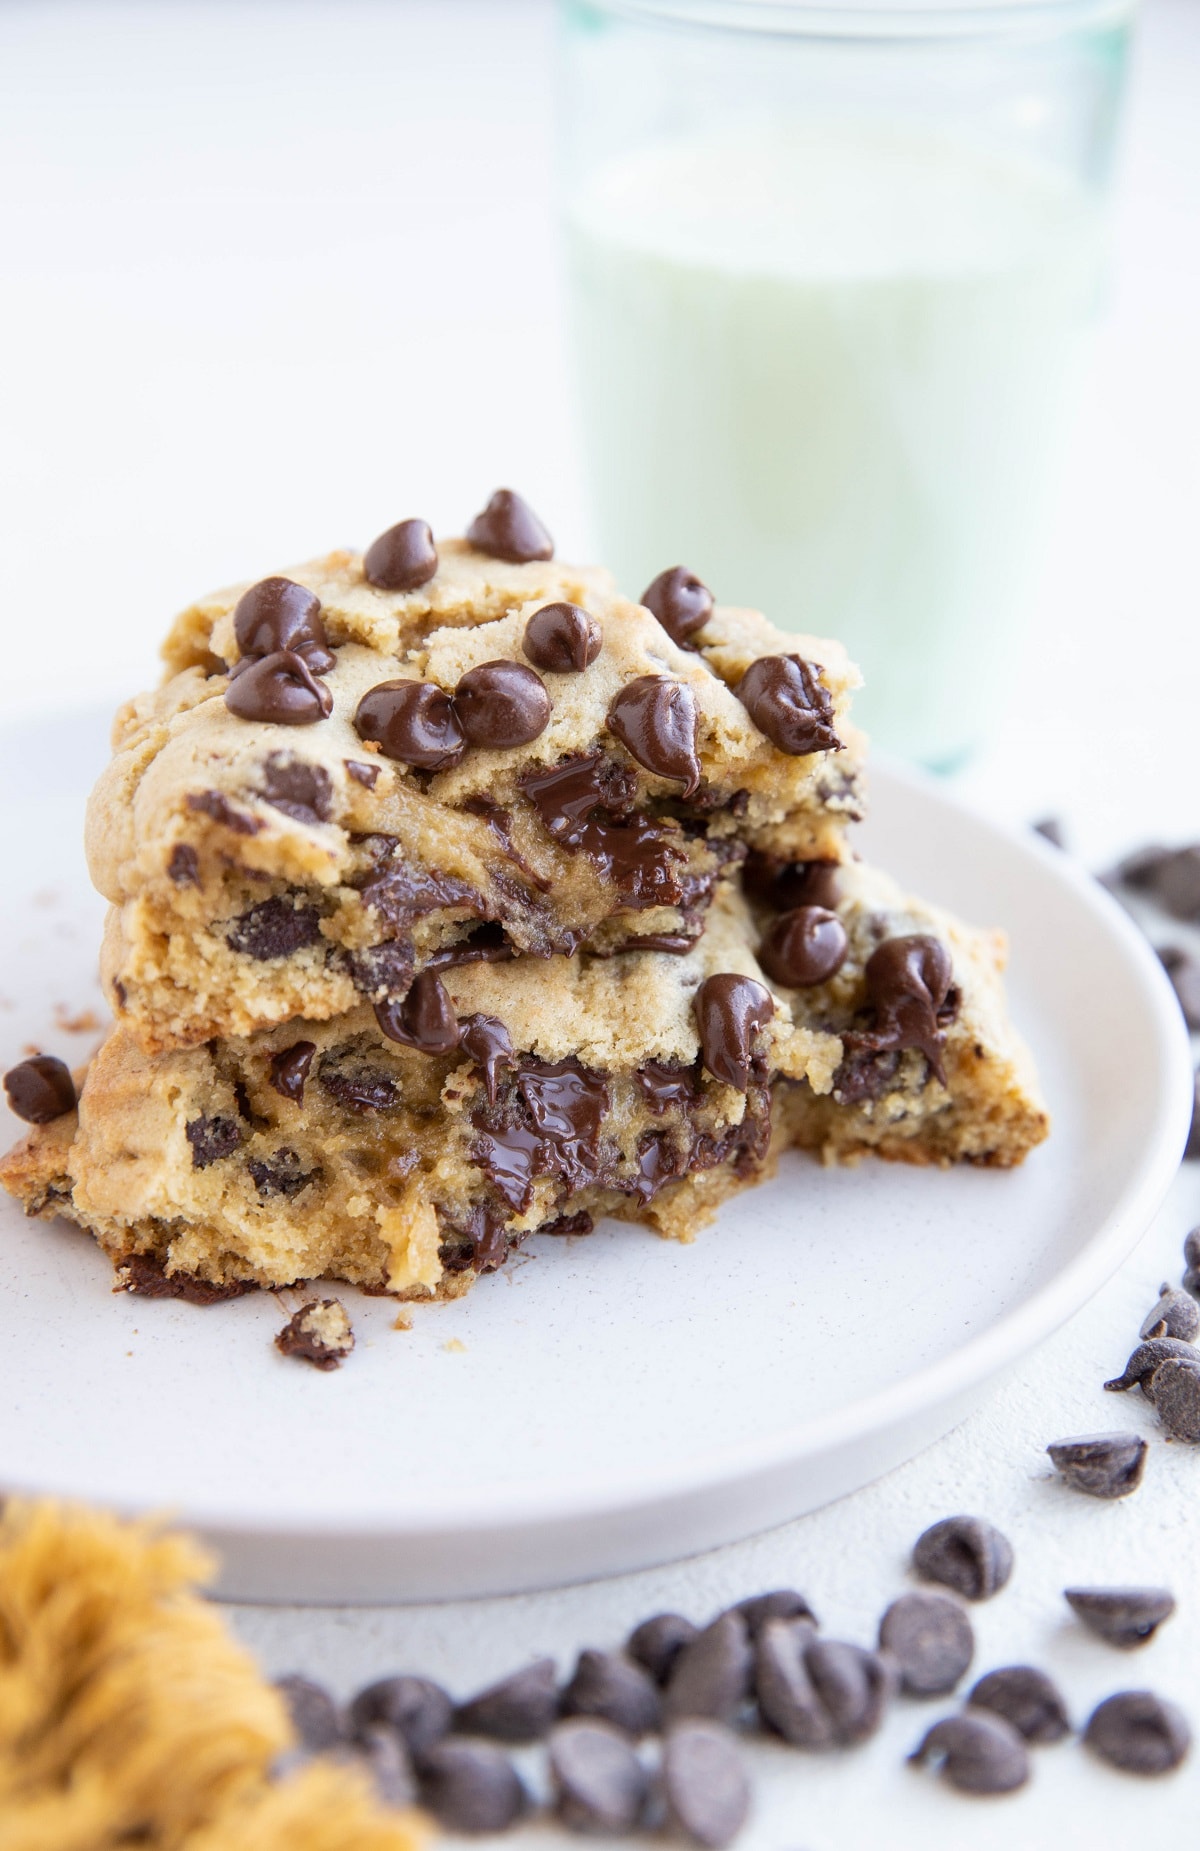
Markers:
456,897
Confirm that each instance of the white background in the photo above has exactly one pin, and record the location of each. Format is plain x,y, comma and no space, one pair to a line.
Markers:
277,274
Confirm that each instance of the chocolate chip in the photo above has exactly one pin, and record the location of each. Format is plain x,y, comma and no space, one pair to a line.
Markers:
1191,1258
599,1785
319,1333
366,775
614,1689
785,699
315,1715
1175,1315
212,1139
820,1693
274,929
300,790
413,722
218,806
1101,1465
489,1044
401,893
704,1784
663,1084
803,947
730,1011
277,614
1147,1358
680,602
580,1223
1027,1699
509,529
908,983
184,865
402,558
146,1274
977,1752
584,803
384,1757
40,1089
1191,1150
781,1604
1051,830
657,1643
519,1708
930,1638
355,1084
1171,876
562,639
782,885
417,1709
424,1020
713,1672
471,1787
501,704
279,689
1184,971
281,1174
966,1554
1122,1616
1175,1392
656,719
289,1069
1138,1732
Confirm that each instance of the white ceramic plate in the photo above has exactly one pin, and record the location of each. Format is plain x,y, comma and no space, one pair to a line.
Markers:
608,1403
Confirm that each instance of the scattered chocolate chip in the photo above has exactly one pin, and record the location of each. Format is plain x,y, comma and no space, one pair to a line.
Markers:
509,529
315,1716
680,602
319,1333
281,690
486,1040
302,791
785,699
1122,1616
424,1020
385,1758
782,1603
599,1785
966,1554
1175,1392
417,1709
501,704
713,1672
1101,1465
40,1089
1027,1699
1184,971
805,946
402,558
289,1069
1138,1732
820,1693
212,1139
930,1638
1191,1260
656,719
274,929
355,1084
704,1784
562,639
615,1690
730,1011
277,614
413,722
184,865
783,885
1050,828
1171,876
216,805
366,775
908,982
1175,1315
471,1787
1191,1149
147,1276
281,1174
977,1751
1145,1360
657,1643
519,1708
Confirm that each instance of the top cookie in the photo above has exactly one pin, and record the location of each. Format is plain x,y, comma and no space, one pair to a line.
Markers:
343,782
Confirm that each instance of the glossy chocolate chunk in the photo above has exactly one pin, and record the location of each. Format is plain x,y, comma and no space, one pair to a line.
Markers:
509,529
279,689
413,722
278,614
655,718
488,1043
730,1011
930,1638
501,705
804,947
663,1085
1027,1699
966,1554
1122,1616
402,558
40,1089
977,1752
786,701
424,1020
1139,1733
680,601
1101,1465
584,803
562,639
289,1069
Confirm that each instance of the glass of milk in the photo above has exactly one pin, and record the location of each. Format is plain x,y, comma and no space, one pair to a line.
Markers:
831,269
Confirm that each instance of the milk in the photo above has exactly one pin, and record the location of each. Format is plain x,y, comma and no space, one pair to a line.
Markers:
824,370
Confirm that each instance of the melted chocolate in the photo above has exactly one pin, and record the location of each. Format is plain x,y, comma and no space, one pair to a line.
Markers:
500,705
786,700
783,885
562,639
489,1045
413,722
289,1070
911,1002
278,614
656,719
584,804
424,1020
663,1085
147,1275
302,791
402,893
279,689
480,1244
549,1125
804,947
730,1011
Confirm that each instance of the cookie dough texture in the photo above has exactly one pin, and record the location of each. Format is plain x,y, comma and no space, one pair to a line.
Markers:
242,858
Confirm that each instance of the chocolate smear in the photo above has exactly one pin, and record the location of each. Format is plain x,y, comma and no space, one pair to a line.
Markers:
424,1020
488,1043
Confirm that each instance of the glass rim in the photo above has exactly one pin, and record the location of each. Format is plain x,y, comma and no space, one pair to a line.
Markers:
878,20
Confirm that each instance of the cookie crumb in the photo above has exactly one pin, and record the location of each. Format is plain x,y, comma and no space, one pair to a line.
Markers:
76,1022
319,1334
402,1321
456,1345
